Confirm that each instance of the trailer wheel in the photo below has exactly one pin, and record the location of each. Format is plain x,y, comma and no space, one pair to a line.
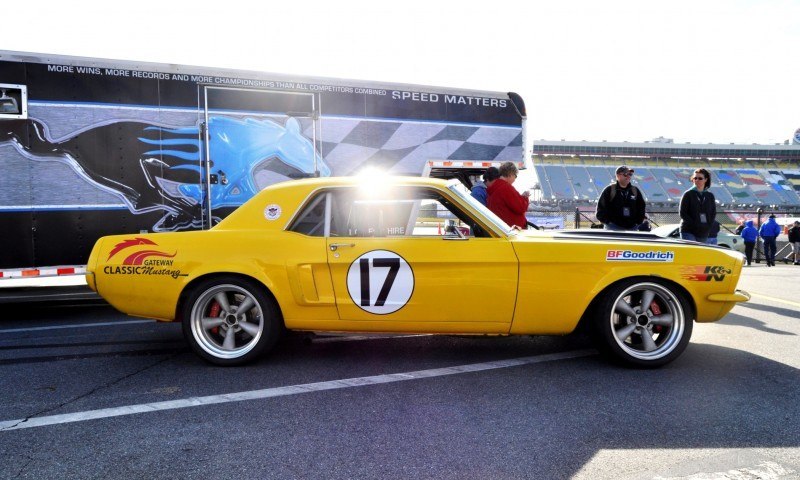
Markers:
643,324
230,321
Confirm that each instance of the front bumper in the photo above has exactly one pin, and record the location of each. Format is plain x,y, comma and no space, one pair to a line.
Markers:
738,296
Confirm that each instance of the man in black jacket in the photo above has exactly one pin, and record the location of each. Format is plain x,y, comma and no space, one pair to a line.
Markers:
794,241
621,205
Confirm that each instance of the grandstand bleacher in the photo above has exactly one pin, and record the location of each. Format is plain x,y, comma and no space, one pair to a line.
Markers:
743,176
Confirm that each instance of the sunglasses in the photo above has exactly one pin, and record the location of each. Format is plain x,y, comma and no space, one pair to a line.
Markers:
625,174
698,178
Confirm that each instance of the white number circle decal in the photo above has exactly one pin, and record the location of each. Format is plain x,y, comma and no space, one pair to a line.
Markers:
380,282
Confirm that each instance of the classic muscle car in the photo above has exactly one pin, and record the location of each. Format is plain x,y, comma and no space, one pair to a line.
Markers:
401,254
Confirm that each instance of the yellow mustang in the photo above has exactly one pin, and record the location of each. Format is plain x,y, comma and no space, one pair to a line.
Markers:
398,254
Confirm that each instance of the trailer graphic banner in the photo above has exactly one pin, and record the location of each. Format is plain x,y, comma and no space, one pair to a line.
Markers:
156,156
110,148
13,101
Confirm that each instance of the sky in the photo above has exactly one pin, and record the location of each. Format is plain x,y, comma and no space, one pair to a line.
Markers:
700,71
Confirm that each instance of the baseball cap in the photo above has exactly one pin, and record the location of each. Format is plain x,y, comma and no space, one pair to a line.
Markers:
624,169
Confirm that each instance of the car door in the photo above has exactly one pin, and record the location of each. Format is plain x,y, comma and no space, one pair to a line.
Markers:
400,261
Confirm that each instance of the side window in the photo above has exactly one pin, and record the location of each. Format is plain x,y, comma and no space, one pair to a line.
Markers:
371,217
438,216
433,218
371,213
401,212
311,220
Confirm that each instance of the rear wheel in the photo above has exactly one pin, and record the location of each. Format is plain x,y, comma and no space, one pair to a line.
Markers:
645,324
230,321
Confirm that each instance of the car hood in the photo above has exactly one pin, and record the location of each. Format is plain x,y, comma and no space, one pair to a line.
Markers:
610,236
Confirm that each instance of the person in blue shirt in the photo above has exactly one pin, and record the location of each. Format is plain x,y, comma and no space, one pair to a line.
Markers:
479,189
769,233
749,235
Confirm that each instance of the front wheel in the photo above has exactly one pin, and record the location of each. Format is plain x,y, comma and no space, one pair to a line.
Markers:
230,321
644,324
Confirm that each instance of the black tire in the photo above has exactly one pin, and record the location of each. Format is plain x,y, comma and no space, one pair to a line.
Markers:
643,337
218,332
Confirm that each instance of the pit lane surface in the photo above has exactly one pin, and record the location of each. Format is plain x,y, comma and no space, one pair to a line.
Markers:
85,393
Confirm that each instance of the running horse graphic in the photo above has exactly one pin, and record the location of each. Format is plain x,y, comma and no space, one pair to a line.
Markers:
169,160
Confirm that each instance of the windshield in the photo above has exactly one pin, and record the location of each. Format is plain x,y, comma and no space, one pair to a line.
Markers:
456,187
664,230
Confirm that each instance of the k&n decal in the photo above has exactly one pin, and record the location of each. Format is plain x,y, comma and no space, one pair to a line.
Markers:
705,273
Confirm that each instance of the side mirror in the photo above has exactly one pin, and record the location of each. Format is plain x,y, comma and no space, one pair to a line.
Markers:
452,229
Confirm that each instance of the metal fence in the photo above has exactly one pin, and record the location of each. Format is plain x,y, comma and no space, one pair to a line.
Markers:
548,217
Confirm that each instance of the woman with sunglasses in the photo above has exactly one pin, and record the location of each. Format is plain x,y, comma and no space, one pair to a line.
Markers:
698,208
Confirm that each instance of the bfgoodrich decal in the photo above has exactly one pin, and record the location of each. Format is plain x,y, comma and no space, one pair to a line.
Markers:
632,256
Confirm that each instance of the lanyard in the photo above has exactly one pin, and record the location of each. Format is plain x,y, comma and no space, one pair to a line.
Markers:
701,197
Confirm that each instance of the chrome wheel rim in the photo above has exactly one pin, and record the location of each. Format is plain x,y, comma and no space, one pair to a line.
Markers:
647,321
227,321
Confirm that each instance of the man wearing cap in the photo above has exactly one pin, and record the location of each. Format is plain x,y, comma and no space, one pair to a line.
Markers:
769,232
621,205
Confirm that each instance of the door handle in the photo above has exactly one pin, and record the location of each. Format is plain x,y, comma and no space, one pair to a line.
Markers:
334,246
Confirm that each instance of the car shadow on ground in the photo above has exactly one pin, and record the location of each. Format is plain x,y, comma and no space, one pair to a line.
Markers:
785,312
742,321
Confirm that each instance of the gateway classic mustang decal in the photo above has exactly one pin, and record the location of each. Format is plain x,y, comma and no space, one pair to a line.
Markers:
140,262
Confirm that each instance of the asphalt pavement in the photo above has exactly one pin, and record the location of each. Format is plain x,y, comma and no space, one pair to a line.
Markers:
90,393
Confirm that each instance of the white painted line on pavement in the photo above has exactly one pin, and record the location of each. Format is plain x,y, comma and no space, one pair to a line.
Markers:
81,325
284,391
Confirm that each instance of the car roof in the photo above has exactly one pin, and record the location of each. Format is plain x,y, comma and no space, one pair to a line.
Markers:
356,180
288,196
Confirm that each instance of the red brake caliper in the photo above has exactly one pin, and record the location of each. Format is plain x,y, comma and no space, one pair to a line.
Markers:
214,312
656,311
